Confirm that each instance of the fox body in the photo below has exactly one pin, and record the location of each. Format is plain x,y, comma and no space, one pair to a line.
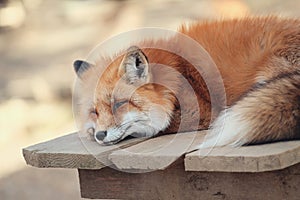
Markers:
258,59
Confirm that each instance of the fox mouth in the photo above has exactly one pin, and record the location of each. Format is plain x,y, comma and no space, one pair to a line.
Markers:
113,141
113,135
106,141
116,134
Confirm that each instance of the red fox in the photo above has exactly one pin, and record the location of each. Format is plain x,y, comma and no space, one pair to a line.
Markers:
258,59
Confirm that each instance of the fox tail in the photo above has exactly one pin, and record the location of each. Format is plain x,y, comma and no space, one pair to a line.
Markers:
268,112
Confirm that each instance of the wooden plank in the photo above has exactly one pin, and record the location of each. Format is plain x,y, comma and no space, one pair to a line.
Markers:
72,151
256,158
176,184
156,153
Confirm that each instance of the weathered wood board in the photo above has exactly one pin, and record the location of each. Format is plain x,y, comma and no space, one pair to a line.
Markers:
253,158
72,151
156,153
175,183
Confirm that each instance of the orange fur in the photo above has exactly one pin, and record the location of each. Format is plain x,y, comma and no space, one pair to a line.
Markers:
247,52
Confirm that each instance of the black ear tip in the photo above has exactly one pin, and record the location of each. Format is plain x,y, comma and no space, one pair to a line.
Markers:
77,64
81,66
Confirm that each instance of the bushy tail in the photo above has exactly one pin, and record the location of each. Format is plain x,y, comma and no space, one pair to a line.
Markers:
269,112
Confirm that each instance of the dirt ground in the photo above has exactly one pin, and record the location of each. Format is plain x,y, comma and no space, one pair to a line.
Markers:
40,39
48,184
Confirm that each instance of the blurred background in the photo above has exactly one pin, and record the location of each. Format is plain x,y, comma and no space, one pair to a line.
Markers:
40,39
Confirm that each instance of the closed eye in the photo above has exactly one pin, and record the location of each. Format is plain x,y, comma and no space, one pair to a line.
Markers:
118,104
94,114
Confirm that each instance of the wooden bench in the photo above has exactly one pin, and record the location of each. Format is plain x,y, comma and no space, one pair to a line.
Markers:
168,167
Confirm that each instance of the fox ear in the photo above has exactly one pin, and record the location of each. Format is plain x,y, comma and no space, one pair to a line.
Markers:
80,66
134,66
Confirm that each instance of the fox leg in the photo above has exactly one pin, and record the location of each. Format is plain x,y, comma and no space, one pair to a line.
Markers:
268,112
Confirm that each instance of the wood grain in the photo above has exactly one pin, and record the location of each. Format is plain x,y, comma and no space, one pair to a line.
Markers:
72,151
156,153
255,158
176,184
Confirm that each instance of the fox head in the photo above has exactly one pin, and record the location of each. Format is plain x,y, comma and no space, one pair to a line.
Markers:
127,97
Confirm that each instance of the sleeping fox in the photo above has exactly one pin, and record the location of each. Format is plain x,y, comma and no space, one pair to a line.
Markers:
138,93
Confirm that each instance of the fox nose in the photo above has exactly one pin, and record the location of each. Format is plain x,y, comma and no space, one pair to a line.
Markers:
100,135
